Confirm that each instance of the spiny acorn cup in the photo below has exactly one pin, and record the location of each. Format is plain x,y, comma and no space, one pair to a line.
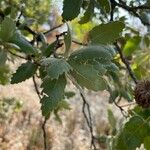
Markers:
142,93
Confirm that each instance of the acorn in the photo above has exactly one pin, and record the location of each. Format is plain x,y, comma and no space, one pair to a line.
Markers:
142,93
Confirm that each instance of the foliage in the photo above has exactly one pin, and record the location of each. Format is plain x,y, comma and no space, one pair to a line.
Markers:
100,62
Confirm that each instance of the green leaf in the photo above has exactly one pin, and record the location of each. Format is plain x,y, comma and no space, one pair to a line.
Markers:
106,33
3,57
49,50
21,42
88,13
101,53
147,143
88,77
56,67
89,65
143,112
7,30
105,5
25,71
54,88
71,9
68,41
55,92
133,134
131,45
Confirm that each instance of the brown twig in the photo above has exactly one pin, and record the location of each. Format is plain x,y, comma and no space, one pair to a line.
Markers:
45,119
88,119
44,133
124,60
46,32
79,43
87,116
133,10
19,56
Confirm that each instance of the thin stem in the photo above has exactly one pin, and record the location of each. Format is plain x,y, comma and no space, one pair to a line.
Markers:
79,43
87,116
131,9
44,133
46,32
129,104
45,120
18,55
124,60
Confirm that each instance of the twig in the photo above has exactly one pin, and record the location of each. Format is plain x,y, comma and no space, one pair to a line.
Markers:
46,32
124,60
141,7
88,119
27,29
123,112
112,11
87,116
36,87
18,55
79,43
45,120
44,133
129,104
131,9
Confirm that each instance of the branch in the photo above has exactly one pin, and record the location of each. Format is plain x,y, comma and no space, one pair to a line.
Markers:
123,112
18,55
131,9
141,7
129,104
87,116
45,120
46,32
27,29
79,43
88,119
124,60
44,133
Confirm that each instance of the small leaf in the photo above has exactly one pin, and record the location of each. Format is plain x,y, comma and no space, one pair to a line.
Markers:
55,93
105,5
71,9
20,41
25,71
54,88
88,14
106,33
68,41
49,50
8,28
56,67
147,143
